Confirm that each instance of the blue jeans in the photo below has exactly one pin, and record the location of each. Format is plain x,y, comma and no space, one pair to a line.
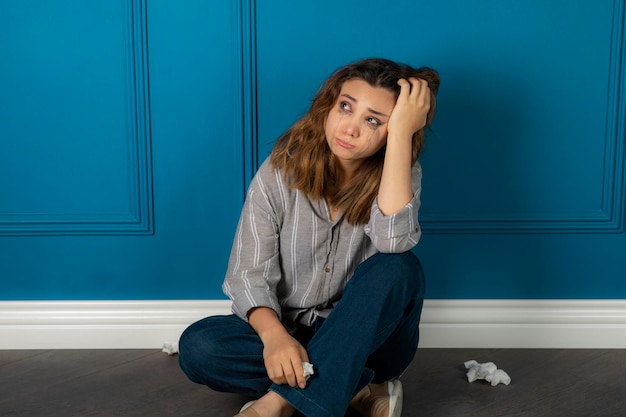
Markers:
370,336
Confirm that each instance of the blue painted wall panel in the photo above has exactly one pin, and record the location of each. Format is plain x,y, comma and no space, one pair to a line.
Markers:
73,134
69,153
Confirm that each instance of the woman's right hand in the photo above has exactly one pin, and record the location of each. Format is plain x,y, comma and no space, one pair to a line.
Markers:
283,356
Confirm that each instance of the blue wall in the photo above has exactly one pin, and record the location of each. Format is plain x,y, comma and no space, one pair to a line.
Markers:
129,130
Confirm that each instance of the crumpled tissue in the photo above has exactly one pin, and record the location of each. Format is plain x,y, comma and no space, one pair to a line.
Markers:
308,369
170,348
487,371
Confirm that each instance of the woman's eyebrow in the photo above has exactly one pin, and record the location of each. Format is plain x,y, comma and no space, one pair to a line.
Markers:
376,112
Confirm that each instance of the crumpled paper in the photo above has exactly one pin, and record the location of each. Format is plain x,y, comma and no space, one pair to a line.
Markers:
308,369
487,371
170,348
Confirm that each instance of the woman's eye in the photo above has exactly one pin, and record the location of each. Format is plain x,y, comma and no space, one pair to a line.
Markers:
345,106
373,121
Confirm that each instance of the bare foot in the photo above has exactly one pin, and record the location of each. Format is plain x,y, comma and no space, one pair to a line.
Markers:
272,405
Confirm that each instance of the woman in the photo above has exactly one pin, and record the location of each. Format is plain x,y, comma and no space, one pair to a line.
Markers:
320,270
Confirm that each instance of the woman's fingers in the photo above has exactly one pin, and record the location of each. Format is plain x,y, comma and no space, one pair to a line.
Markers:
285,367
298,374
289,374
412,106
420,93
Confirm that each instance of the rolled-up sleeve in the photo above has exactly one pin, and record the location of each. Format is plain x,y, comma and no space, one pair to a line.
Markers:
401,231
253,268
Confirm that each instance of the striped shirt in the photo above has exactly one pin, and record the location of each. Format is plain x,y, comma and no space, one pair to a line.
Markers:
290,256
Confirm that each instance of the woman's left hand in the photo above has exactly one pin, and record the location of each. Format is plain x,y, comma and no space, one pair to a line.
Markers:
409,114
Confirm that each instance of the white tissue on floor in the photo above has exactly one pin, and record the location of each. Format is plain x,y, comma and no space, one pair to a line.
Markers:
499,377
308,369
170,348
487,371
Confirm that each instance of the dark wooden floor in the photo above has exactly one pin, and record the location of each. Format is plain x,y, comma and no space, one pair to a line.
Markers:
546,383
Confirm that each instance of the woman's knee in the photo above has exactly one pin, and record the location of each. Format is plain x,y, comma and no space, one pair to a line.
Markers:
210,346
225,354
398,269
198,336
196,347
411,267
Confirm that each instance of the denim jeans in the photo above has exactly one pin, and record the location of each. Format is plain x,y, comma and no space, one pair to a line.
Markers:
370,336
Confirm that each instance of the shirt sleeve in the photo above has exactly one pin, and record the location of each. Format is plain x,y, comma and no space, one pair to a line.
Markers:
401,231
253,268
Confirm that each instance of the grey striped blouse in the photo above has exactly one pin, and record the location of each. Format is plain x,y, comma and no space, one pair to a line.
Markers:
289,255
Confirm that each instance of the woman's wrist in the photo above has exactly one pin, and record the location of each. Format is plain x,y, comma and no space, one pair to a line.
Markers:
265,322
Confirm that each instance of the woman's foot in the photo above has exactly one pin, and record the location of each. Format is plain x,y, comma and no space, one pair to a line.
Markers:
269,405
379,400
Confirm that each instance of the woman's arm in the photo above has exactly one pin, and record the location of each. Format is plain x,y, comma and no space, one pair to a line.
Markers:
407,117
254,264
283,355
253,274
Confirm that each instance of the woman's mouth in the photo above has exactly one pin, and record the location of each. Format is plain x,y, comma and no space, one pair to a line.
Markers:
344,144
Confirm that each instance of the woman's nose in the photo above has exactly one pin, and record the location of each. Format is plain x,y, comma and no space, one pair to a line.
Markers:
350,127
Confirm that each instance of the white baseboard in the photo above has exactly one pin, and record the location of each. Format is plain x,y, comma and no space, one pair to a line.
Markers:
582,324
566,324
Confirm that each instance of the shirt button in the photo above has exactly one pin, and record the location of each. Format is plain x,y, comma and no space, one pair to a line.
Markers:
327,270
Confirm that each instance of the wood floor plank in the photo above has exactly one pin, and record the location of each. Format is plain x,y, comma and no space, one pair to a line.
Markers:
11,356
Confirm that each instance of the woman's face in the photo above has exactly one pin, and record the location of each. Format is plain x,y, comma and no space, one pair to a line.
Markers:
356,126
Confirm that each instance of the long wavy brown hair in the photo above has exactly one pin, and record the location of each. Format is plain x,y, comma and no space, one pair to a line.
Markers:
307,162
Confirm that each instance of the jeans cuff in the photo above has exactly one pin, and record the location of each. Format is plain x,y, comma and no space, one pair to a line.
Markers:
308,406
